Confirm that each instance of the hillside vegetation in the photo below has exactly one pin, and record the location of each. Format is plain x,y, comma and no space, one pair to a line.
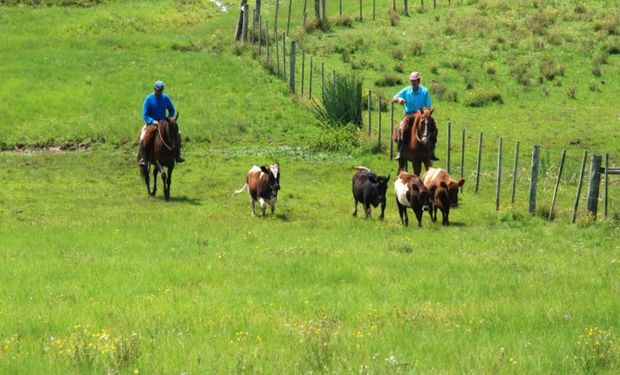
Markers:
98,278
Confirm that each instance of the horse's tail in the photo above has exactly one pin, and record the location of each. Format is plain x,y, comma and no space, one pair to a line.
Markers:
240,190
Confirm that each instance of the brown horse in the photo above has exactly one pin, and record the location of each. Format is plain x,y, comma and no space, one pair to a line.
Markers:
160,144
417,147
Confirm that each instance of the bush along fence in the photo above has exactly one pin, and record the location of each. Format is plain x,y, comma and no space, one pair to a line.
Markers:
300,71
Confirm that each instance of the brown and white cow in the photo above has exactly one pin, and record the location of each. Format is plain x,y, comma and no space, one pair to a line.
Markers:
446,193
369,189
411,193
263,185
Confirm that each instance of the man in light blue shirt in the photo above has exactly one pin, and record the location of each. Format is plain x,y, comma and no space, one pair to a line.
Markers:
153,110
414,98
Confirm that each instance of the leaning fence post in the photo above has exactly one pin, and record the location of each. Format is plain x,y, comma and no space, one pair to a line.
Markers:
514,172
275,41
478,164
391,130
369,112
499,174
448,146
595,181
322,80
291,83
303,70
534,179
260,39
406,8
462,155
379,110
288,22
305,13
557,184
583,167
606,183
275,22
246,9
373,9
284,56
340,8
361,18
310,78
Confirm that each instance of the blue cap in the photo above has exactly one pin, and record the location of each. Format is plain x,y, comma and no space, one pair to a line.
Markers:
159,85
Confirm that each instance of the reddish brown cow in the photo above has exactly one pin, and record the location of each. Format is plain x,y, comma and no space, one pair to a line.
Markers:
411,193
446,192
263,185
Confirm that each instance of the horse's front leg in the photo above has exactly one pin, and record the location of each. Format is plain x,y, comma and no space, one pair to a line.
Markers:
155,172
146,176
168,182
417,167
164,177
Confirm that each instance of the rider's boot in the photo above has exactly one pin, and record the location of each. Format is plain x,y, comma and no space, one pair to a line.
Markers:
399,147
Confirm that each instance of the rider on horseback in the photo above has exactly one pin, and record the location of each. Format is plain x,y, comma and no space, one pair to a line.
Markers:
153,111
414,98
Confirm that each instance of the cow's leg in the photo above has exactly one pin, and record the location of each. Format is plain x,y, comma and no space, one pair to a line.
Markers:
263,206
402,212
355,208
367,209
418,214
382,211
444,217
253,204
272,204
434,216
417,167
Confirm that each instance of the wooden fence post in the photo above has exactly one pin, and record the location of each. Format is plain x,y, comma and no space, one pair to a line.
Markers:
462,155
340,8
317,10
394,5
291,81
305,12
260,39
303,70
361,17
579,185
595,181
374,6
434,4
391,129
277,43
557,184
534,179
257,14
333,80
266,39
246,18
448,146
606,183
310,78
275,23
499,174
406,8
369,112
478,164
284,56
322,80
514,172
288,22
323,13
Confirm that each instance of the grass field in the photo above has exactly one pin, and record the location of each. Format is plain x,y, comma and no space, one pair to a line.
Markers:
98,278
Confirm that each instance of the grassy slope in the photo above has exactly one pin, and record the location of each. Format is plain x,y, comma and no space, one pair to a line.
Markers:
203,287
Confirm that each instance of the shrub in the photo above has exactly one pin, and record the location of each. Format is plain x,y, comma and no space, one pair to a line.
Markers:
399,68
397,53
490,68
593,85
479,97
438,89
344,20
608,26
341,102
601,58
521,72
596,70
549,69
394,17
572,92
434,68
388,80
342,139
417,48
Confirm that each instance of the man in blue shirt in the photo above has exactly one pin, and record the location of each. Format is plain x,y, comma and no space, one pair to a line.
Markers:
154,110
414,98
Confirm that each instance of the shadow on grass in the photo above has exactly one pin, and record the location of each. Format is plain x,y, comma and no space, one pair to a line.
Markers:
187,200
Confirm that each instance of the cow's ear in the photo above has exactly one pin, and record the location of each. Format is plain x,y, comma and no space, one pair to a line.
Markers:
372,178
415,187
264,169
461,182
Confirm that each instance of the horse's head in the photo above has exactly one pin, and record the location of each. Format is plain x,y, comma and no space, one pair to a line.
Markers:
172,130
424,122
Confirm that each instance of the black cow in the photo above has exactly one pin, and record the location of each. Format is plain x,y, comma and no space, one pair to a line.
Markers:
369,189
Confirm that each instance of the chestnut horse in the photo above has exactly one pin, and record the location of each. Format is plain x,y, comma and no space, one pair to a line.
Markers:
417,147
161,142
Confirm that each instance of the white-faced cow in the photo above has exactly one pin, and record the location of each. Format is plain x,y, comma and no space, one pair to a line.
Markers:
446,193
369,189
263,184
411,193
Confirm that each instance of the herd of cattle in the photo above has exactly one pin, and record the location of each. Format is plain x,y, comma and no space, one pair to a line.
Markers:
434,191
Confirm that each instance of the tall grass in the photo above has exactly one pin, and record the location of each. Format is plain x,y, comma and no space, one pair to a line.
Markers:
341,101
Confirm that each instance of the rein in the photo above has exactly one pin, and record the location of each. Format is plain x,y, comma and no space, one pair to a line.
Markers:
425,135
162,138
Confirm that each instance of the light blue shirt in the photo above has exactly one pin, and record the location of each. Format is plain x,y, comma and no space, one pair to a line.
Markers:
154,108
414,101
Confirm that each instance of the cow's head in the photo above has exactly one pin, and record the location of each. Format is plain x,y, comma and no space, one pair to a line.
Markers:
274,177
422,194
453,191
381,182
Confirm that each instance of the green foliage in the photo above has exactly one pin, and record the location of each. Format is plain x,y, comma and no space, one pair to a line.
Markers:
341,102
597,349
336,139
389,80
549,69
479,97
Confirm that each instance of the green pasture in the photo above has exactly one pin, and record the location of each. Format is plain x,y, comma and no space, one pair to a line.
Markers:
98,278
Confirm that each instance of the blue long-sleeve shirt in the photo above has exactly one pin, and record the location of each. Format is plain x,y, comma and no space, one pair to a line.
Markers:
414,101
154,108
